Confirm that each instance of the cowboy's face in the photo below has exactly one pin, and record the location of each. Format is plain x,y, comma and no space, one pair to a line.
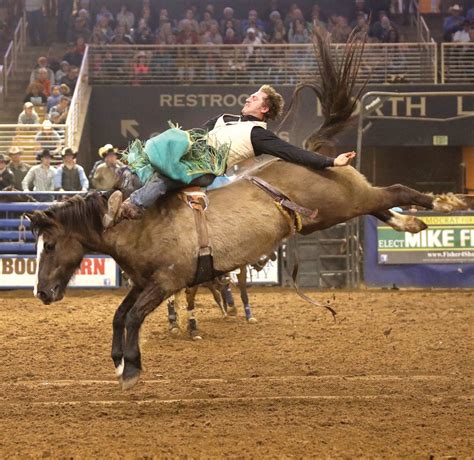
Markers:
256,105
3,165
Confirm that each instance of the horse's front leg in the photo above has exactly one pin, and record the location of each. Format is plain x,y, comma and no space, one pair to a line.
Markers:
151,296
119,327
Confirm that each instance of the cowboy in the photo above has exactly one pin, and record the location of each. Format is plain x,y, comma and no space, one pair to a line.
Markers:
104,174
70,176
17,167
6,176
41,177
243,137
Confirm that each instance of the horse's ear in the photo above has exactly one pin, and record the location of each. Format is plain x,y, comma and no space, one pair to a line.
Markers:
39,221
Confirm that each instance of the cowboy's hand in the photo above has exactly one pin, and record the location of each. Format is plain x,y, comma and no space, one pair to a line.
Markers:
344,158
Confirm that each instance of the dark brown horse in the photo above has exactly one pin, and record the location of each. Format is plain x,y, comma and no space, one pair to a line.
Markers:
159,252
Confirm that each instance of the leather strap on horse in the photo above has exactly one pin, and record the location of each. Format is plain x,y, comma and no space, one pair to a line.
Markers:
281,198
197,200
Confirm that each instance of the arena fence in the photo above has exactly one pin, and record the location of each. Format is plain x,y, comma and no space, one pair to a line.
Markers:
245,64
32,139
457,62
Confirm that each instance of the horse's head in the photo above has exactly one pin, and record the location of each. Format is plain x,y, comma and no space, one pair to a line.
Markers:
65,233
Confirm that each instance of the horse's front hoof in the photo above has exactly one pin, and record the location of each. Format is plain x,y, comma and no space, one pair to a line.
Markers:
252,320
130,376
174,331
196,337
130,382
119,369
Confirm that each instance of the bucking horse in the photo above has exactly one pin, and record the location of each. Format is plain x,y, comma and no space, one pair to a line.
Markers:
159,252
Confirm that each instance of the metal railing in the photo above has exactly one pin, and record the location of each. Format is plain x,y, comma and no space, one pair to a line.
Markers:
79,105
457,62
32,139
10,59
242,64
422,29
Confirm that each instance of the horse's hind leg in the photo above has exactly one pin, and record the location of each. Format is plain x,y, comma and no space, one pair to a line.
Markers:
217,296
192,323
146,302
119,327
400,195
173,315
242,279
401,222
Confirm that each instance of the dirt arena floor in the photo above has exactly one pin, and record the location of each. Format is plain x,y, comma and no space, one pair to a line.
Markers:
391,378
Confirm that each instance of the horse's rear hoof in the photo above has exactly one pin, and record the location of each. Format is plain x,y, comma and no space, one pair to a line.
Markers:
252,320
196,337
174,331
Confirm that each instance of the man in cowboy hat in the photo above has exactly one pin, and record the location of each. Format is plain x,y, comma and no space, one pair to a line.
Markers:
105,175
70,176
17,167
452,23
6,176
41,177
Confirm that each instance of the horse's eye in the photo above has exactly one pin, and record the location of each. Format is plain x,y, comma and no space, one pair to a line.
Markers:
49,246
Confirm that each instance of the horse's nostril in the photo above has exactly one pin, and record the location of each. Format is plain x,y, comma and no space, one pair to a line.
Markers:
42,296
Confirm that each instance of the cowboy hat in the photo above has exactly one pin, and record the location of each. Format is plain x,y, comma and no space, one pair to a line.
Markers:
15,150
68,151
455,7
4,158
42,154
107,148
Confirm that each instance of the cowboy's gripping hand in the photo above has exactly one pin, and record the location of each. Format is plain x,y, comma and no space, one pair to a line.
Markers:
344,159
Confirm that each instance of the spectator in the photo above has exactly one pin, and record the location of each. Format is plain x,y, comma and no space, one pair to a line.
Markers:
186,62
104,13
361,26
65,8
125,17
44,81
106,174
298,33
212,38
230,37
121,37
64,90
58,113
207,22
6,176
42,64
253,22
278,39
103,30
274,18
79,29
40,177
453,22
36,24
253,54
380,29
189,22
341,30
462,36
148,17
359,7
75,53
63,70
35,94
71,79
140,68
17,167
143,34
70,56
70,176
228,15
28,116
470,16
48,138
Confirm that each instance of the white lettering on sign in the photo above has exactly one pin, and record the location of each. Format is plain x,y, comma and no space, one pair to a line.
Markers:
202,100
430,239
467,237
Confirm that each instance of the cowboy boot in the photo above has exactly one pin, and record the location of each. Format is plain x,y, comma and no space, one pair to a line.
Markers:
114,203
128,210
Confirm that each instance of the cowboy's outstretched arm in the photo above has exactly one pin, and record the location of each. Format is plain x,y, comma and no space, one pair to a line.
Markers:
264,141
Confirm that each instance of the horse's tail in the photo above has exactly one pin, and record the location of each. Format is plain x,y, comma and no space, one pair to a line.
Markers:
334,87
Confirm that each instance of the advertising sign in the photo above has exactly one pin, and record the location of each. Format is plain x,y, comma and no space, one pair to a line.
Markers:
449,239
95,271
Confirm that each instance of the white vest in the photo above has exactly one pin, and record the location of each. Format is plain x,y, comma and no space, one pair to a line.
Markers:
237,134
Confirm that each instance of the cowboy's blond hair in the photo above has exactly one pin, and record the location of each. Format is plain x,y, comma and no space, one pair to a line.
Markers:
274,101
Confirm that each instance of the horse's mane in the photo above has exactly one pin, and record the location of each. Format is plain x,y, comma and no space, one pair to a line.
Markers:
83,214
